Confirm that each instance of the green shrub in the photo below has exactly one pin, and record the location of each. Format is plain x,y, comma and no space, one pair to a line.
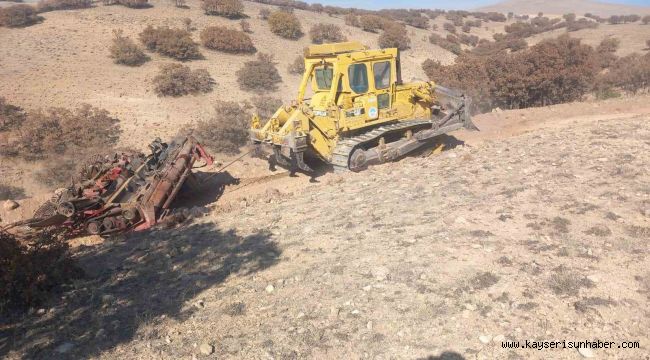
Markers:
175,43
285,25
19,16
178,80
227,130
326,33
228,40
232,9
259,75
125,51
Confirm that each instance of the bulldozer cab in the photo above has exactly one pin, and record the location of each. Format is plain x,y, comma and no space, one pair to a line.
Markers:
353,84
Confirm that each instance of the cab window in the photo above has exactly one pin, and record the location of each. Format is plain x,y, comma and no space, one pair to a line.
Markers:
324,78
381,70
358,75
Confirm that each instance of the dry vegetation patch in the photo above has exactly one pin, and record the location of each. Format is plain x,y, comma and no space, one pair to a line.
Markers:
56,131
178,80
29,272
125,51
297,67
228,40
326,33
52,5
232,9
394,36
285,25
19,16
175,43
551,72
259,75
227,130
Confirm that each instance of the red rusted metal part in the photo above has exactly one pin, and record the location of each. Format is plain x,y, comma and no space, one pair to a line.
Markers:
128,191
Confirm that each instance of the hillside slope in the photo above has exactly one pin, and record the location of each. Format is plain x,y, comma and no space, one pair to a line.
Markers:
559,7
64,61
536,230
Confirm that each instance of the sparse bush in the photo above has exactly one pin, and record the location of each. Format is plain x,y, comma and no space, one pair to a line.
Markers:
326,33
19,16
569,17
134,4
228,40
266,106
647,44
51,5
470,40
466,28
581,24
30,270
449,27
297,67
607,51
125,51
394,36
285,25
417,21
232,9
181,4
646,20
227,130
352,20
245,26
445,44
630,73
58,130
178,80
187,22
264,14
175,43
259,75
11,117
371,23
10,192
551,72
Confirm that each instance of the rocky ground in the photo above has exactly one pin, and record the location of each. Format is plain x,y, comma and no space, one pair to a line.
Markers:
537,234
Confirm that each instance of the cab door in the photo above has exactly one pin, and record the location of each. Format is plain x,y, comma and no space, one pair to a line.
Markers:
383,79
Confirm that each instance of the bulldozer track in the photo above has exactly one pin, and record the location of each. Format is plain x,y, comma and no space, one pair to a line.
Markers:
345,147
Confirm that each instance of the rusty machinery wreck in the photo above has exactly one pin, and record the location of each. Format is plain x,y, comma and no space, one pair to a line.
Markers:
122,192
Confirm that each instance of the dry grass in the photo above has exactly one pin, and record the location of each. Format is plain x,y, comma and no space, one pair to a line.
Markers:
227,40
227,130
178,80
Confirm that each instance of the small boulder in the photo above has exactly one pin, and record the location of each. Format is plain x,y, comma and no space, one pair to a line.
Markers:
10,205
206,349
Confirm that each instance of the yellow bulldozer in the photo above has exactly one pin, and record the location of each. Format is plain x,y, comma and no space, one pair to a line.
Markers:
353,110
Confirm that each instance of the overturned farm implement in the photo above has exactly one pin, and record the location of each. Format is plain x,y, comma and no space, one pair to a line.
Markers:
124,191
